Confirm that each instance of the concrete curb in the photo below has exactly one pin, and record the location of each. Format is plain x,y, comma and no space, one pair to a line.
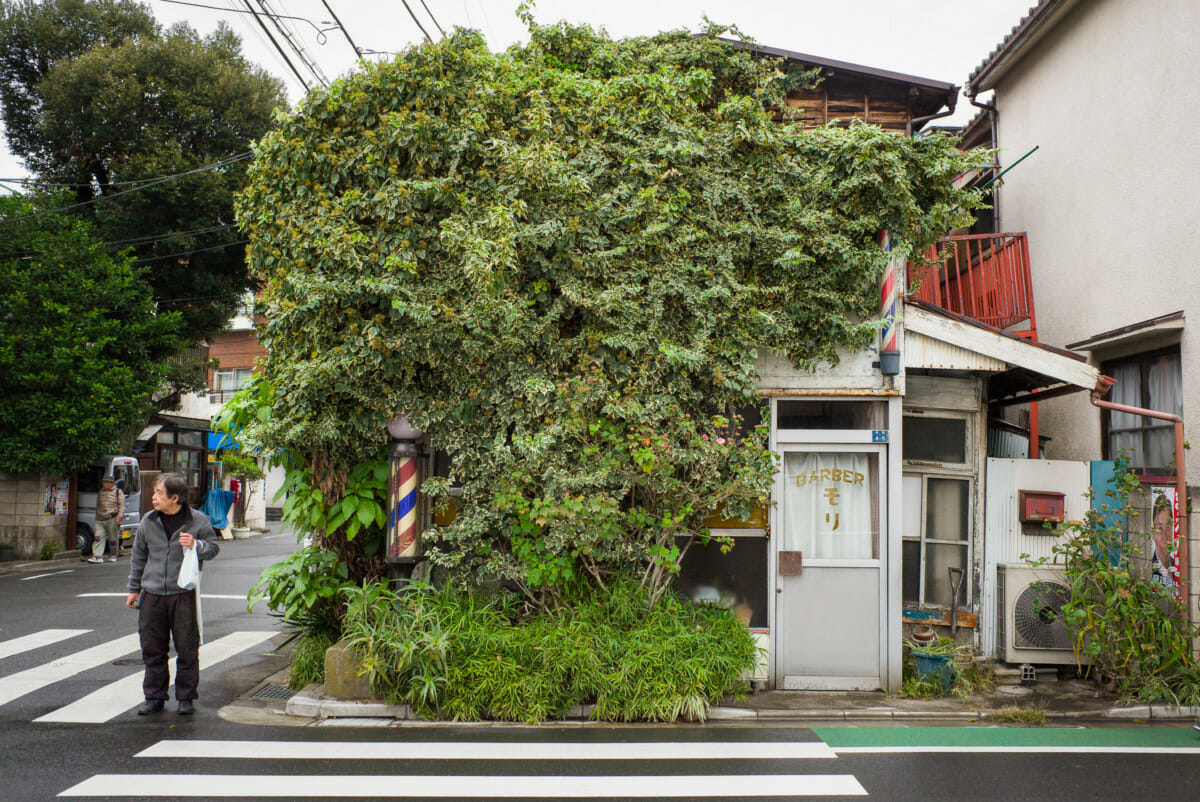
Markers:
314,706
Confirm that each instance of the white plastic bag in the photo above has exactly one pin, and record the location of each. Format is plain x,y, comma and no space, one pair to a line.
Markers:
189,570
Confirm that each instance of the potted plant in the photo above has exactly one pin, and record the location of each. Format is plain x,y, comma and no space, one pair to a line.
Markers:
7,551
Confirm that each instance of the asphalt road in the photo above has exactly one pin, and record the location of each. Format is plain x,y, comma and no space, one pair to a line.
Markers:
68,730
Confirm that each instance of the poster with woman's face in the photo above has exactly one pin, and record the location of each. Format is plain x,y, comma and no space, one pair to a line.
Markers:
1164,542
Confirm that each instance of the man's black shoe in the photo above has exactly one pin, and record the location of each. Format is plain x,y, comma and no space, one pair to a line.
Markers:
150,706
186,708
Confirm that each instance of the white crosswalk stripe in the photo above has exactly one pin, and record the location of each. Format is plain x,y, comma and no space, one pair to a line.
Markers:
34,679
115,698
37,640
584,756
427,786
492,750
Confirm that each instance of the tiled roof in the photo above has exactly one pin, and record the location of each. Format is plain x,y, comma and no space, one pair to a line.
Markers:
1031,27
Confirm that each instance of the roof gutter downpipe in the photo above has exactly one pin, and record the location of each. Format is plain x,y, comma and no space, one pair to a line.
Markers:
990,108
914,124
1102,387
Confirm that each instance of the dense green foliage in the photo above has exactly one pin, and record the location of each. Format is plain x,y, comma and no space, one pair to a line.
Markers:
353,525
455,654
98,97
1133,632
304,591
78,331
308,660
560,262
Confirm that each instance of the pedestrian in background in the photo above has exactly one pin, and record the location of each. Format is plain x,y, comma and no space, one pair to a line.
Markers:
166,611
110,511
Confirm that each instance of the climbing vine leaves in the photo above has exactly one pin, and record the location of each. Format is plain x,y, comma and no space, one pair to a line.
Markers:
562,262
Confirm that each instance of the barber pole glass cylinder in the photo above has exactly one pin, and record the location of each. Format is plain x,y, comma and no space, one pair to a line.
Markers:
404,519
889,309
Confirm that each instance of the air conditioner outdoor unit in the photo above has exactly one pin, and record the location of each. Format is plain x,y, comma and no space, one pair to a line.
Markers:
1029,626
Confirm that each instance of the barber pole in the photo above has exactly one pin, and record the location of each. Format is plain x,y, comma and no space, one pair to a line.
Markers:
889,310
402,502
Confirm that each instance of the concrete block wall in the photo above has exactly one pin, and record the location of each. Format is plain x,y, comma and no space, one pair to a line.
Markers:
23,521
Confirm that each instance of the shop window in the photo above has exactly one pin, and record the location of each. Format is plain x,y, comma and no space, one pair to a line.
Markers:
822,414
1151,381
938,515
737,579
935,439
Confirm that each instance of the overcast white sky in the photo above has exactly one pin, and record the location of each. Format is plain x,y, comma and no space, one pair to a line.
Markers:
939,39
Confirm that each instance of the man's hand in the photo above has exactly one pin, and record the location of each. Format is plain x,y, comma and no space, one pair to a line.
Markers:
131,599
186,540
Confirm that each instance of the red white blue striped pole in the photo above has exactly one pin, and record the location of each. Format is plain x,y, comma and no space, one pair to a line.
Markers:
889,309
404,492
403,509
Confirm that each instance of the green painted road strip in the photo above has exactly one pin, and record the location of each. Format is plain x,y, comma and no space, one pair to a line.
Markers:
1141,740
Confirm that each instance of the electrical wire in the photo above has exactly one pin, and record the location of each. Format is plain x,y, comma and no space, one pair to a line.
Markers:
275,44
435,22
153,182
292,40
414,19
345,32
321,37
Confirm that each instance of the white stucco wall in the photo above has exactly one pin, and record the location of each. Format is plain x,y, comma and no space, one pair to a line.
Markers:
1111,100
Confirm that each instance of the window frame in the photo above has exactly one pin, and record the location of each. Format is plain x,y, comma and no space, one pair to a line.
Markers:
1143,359
929,469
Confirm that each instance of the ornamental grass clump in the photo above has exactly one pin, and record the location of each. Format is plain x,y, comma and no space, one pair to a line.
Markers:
476,655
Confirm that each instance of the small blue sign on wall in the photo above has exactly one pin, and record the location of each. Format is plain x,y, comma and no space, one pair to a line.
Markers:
879,436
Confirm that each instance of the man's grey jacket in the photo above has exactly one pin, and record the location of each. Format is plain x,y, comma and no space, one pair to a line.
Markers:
154,564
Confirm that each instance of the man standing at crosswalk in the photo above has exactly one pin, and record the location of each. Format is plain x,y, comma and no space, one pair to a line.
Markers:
110,512
168,612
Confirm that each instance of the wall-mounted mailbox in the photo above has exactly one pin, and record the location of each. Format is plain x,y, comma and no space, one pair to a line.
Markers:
1039,507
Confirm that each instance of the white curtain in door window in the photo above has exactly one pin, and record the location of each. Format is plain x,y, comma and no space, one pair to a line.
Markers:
827,505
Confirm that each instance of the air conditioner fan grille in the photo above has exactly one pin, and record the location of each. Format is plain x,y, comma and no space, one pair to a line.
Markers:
1037,616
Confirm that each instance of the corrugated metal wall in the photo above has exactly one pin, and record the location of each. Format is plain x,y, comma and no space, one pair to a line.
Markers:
1004,541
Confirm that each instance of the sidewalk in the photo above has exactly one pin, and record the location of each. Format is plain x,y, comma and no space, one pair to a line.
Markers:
1069,702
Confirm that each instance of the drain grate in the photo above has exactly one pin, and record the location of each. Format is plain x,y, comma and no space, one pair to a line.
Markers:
272,691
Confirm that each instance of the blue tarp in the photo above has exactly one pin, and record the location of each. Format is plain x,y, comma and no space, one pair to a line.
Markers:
216,506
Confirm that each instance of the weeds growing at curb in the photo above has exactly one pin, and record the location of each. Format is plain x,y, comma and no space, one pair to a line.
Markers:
1017,715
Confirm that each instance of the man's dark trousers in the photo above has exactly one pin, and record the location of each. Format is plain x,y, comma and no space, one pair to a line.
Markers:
162,619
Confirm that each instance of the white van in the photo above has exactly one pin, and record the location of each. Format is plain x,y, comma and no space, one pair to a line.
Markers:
129,481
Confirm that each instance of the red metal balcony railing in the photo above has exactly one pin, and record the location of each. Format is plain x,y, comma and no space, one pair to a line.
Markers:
981,276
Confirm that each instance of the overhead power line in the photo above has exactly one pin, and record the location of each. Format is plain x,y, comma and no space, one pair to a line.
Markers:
320,32
146,184
293,42
258,18
357,51
414,19
435,22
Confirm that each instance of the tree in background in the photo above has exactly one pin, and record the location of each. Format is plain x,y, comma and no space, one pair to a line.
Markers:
562,262
78,336
98,97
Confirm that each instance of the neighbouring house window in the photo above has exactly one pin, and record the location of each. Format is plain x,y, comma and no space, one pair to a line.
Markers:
1151,381
937,491
228,382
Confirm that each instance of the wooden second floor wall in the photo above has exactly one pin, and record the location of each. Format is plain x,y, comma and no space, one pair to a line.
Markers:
842,99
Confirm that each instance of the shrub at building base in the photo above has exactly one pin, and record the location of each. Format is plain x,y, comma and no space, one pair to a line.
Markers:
1133,632
473,655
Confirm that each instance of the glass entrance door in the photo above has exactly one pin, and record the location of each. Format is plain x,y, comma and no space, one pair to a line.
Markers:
831,526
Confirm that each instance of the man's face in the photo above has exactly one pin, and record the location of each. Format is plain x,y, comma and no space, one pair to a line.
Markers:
162,502
107,485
